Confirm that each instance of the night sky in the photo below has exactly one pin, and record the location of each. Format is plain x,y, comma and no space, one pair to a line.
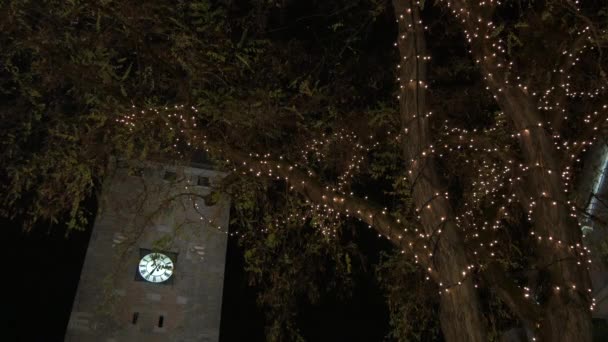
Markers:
45,265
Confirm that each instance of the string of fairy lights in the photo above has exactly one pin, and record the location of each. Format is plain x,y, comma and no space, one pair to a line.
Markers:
320,209
566,174
410,26
315,208
500,174
478,29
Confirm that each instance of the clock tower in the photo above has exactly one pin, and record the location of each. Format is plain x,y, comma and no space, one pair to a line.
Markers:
154,268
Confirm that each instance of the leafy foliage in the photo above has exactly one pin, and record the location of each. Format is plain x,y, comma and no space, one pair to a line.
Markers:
412,307
304,81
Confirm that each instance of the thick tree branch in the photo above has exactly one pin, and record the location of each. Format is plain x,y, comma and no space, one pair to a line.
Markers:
315,192
462,304
525,310
563,67
538,149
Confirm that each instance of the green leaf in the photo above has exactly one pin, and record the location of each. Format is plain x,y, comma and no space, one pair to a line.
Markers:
126,74
271,240
498,30
243,59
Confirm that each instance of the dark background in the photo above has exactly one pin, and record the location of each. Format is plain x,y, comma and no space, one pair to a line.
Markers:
44,269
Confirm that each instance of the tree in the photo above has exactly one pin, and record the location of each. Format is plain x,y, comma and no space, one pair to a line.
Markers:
543,183
476,194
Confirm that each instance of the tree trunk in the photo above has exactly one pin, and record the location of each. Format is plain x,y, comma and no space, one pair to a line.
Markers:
567,316
460,310
460,313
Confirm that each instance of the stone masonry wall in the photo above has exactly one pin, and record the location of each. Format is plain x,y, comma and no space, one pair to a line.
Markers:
156,208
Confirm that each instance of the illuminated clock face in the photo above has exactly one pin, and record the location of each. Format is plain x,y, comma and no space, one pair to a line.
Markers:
156,267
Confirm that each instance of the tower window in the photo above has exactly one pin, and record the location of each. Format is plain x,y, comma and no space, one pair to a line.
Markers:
203,181
161,320
170,176
135,317
136,172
